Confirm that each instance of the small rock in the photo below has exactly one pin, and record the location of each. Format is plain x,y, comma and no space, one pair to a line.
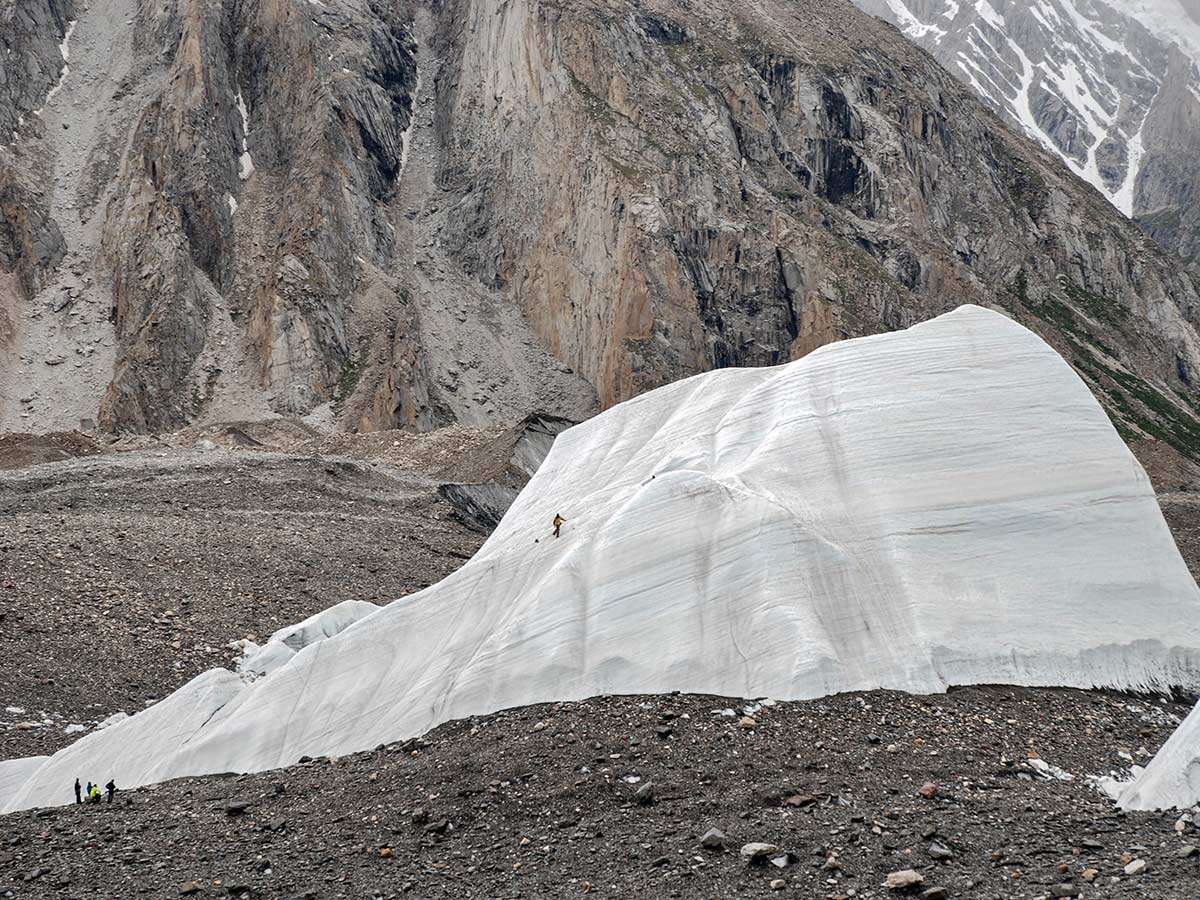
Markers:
664,731
800,800
386,853
714,839
1136,867
1187,851
237,807
928,790
904,879
645,794
1089,875
439,827
935,893
748,722
190,887
778,884
1065,890
940,851
757,852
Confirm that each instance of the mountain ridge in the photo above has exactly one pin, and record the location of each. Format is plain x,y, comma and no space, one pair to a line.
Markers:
486,209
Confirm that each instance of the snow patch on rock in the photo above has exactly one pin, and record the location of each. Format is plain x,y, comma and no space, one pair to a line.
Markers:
245,161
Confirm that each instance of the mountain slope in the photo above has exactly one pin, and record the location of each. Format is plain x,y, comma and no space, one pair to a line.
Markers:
1111,86
905,511
466,211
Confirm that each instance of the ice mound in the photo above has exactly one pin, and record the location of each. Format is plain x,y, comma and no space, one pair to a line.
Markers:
287,642
945,505
1172,780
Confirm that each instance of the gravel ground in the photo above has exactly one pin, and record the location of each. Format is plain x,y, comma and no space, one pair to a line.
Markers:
544,802
123,576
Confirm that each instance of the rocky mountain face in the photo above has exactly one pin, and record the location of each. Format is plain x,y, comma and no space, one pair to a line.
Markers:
1111,86
407,215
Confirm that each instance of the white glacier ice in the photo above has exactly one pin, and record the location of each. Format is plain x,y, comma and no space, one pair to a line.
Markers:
287,642
15,772
1172,780
944,505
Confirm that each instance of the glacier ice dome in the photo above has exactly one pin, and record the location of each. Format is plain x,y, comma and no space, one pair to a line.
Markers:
943,505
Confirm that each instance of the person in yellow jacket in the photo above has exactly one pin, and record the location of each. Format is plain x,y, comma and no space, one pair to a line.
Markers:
559,521
94,794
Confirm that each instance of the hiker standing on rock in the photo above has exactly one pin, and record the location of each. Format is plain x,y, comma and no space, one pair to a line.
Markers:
78,798
94,793
111,787
559,522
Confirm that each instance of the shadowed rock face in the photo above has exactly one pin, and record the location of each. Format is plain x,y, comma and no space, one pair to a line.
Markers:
326,149
475,210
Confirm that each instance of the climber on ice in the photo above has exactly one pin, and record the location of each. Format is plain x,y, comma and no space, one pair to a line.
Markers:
559,521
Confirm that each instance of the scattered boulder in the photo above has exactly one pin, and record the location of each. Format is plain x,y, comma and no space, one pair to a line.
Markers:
645,794
188,888
904,880
1137,867
778,884
237,807
758,852
939,851
935,893
928,790
714,839
1065,890
800,801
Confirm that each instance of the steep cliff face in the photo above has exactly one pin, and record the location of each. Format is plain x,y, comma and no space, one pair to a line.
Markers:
665,190
1168,190
1112,86
474,209
222,182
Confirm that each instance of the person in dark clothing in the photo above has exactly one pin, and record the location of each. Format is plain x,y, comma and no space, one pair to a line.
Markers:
559,521
111,787
78,796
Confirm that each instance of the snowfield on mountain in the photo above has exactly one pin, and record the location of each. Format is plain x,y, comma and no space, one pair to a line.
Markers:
939,506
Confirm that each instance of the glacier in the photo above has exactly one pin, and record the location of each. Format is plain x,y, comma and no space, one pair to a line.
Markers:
938,506
1172,780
